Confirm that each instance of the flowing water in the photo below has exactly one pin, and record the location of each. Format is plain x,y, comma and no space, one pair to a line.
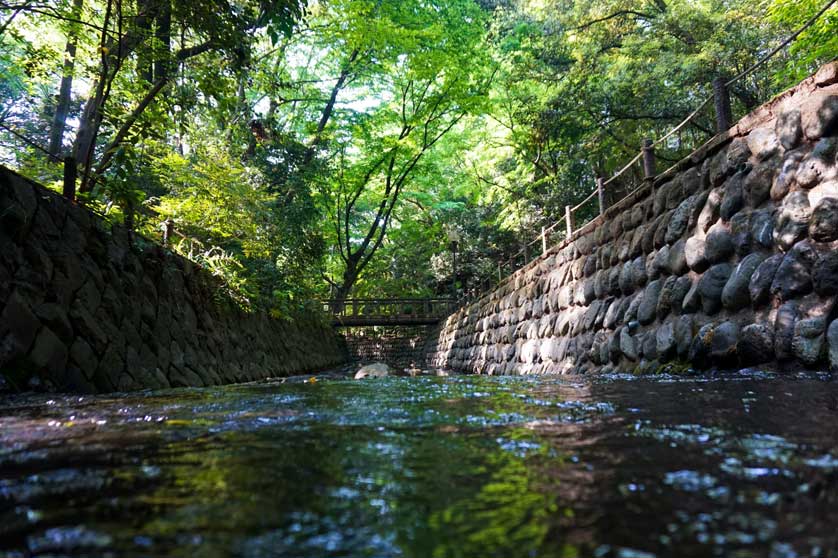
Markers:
735,466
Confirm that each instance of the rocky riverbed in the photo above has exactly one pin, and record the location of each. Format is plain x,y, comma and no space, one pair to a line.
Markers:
739,465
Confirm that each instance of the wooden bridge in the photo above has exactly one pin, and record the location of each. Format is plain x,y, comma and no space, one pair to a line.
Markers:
389,311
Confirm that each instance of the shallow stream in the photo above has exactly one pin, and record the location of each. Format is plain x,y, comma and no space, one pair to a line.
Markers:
611,466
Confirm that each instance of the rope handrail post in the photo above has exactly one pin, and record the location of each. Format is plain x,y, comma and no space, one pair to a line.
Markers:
168,230
600,194
568,216
648,159
70,175
721,99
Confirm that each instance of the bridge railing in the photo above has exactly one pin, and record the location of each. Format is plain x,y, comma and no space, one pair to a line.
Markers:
395,309
641,169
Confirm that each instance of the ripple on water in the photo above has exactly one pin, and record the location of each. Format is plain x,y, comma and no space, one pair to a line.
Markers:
739,465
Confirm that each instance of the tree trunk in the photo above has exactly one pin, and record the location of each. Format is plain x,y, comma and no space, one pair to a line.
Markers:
163,34
62,107
143,23
329,108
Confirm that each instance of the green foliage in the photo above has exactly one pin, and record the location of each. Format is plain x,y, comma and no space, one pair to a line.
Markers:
815,46
305,149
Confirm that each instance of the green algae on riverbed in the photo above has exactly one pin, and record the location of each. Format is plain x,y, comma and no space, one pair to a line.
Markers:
614,466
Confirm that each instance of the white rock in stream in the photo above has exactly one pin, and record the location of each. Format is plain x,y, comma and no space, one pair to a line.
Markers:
375,370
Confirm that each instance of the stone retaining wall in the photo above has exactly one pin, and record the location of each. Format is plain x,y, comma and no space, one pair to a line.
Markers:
400,347
84,310
729,259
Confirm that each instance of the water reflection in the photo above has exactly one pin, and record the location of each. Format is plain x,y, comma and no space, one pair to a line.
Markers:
740,466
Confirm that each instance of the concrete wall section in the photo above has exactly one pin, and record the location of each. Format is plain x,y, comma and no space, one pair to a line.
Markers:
82,309
729,259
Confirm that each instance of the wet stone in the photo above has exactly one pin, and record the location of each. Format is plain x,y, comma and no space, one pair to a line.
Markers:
666,343
760,284
716,168
818,165
791,223
679,293
794,276
614,281
588,291
723,344
590,265
677,259
650,346
711,285
53,315
736,292
762,228
646,312
649,265
808,342
700,346
638,272
789,129
682,216
718,246
627,278
756,344
757,186
740,229
84,357
734,198
665,298
628,345
819,116
823,226
825,274
784,330
659,239
692,300
630,315
763,143
660,262
785,178
695,254
19,326
738,154
832,341
49,352
710,212
684,335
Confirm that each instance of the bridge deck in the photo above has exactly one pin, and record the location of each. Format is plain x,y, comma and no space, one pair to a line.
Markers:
355,312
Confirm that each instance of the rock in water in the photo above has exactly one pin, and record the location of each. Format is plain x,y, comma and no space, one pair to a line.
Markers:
374,370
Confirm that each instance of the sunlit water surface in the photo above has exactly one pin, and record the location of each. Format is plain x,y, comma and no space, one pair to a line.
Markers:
734,466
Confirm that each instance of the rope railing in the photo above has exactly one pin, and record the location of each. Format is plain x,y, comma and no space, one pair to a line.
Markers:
723,117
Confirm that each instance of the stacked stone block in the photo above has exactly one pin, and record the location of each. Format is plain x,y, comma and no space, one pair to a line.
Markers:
730,259
84,309
397,346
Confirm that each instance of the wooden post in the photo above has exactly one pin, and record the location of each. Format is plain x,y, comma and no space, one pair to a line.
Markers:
168,230
70,174
600,194
568,217
648,159
721,97
543,241
354,307
526,253
500,274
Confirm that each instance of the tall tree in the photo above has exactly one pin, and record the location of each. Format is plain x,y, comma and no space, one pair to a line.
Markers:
62,105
